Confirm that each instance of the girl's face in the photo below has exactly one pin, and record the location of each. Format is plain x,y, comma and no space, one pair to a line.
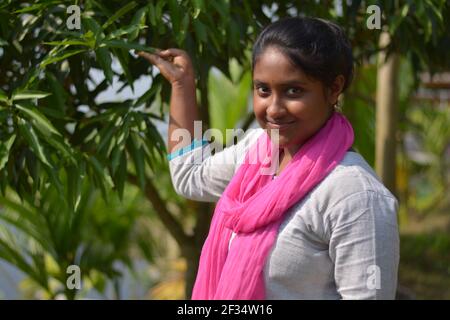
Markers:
285,98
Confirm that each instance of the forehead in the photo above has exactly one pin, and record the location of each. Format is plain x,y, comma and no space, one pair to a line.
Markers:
272,66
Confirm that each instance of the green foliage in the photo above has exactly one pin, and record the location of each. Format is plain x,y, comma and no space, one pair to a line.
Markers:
48,76
226,110
44,238
359,107
424,263
429,169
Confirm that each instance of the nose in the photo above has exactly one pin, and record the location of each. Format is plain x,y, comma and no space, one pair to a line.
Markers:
276,109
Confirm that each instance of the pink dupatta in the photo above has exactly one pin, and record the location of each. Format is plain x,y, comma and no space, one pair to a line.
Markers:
253,206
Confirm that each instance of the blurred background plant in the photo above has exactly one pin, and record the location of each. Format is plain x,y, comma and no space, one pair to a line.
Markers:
83,174
44,239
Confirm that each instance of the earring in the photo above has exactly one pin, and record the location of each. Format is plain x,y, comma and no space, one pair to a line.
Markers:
337,106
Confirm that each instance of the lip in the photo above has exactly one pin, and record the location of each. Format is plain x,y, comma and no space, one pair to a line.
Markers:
279,126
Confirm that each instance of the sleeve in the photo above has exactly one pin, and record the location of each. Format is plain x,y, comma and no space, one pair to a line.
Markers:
364,246
198,174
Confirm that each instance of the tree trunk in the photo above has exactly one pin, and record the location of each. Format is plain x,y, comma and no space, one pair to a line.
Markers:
192,256
386,115
191,252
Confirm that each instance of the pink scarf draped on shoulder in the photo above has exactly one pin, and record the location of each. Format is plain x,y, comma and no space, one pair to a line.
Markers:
253,206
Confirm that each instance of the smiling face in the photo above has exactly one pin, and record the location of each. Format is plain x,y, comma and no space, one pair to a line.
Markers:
285,98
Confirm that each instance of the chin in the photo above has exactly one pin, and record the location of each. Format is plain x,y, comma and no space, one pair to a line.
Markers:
283,139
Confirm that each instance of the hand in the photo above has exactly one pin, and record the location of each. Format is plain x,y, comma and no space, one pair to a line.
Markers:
174,64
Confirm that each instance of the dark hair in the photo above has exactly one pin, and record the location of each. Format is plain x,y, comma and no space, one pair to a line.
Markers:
319,47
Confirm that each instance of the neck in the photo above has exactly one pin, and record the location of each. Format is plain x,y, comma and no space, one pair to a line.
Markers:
289,152
285,156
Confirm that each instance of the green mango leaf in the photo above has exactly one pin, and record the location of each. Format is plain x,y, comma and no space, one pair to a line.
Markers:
175,15
121,174
139,20
74,182
199,6
60,56
59,144
5,146
68,42
41,121
3,96
154,136
150,93
101,177
106,135
101,171
29,94
126,31
93,33
33,141
137,154
122,11
53,176
200,31
126,45
105,61
123,57
57,100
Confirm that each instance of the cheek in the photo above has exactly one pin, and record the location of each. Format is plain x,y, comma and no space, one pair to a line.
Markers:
258,106
299,107
309,106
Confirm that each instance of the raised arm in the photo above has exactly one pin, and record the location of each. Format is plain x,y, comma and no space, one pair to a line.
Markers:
176,66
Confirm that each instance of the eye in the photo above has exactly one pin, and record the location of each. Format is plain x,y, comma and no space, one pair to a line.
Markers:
262,90
294,91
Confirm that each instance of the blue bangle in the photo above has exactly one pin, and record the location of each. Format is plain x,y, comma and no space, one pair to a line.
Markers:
195,144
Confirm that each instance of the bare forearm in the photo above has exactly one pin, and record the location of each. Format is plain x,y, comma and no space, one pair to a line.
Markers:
183,113
176,66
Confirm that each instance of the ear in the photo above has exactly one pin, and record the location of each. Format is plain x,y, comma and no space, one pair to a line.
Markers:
335,89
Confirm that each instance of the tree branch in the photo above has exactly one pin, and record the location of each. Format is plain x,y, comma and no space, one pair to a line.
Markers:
167,218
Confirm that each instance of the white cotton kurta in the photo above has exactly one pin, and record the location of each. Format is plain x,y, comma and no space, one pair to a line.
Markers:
340,241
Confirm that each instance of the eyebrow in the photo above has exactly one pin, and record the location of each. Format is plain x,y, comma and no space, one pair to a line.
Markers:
285,83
